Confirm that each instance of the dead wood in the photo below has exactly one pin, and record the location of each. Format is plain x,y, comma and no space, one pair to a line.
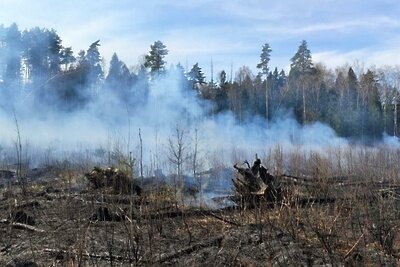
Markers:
172,214
222,219
256,183
22,226
113,178
350,251
204,244
61,253
29,204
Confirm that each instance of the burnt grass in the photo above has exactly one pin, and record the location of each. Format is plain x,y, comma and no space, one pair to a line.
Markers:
56,225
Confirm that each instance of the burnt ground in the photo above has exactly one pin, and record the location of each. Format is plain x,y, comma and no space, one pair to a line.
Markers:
56,225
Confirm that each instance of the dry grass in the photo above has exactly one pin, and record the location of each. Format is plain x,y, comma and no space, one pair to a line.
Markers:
359,227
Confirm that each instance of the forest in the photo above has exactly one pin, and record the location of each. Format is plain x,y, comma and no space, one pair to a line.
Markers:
359,104
105,164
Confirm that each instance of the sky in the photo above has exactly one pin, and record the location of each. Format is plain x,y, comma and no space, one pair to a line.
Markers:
228,32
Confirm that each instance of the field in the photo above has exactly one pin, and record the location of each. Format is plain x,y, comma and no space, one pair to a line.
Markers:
340,207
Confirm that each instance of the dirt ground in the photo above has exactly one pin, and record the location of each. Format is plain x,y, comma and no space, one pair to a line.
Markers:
54,225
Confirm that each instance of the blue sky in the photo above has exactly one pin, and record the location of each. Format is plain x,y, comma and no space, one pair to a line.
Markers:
229,32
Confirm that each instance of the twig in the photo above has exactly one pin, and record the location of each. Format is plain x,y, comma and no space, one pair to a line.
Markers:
222,219
188,250
354,246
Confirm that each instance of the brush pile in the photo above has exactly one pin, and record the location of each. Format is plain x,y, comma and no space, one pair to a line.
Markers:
256,183
114,179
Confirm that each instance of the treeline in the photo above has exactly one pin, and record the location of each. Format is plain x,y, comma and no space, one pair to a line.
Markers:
355,104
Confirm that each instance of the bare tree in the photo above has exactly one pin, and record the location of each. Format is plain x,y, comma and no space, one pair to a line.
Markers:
18,149
177,155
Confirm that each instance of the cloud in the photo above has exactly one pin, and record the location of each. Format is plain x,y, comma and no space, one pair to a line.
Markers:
229,31
368,56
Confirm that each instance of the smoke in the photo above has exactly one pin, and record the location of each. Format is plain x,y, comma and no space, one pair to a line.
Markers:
70,113
167,107
109,122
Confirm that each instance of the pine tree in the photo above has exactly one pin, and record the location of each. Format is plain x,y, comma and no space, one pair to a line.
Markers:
282,79
300,70
13,53
54,53
93,60
372,125
302,61
222,78
196,76
353,87
67,57
181,77
264,59
155,59
263,65
119,79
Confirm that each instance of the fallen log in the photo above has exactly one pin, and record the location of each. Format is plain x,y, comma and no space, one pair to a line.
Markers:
222,219
106,257
207,243
22,226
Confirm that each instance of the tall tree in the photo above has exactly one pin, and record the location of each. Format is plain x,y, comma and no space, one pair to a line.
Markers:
196,76
263,65
35,55
54,52
155,58
119,78
222,78
302,61
372,125
182,80
67,57
13,53
221,95
300,70
94,60
242,95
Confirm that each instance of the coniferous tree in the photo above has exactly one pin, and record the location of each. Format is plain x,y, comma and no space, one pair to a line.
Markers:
119,79
35,55
196,76
155,58
13,53
264,59
372,125
222,78
221,95
263,65
67,57
93,61
301,69
54,53
301,61
183,82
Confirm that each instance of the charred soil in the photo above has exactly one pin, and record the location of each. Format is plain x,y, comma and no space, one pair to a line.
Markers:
53,225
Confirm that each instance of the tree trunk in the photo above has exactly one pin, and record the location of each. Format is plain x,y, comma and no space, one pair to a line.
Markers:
304,104
266,100
395,119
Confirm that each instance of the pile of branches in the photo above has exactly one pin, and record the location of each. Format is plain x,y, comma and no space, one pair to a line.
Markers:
113,178
256,182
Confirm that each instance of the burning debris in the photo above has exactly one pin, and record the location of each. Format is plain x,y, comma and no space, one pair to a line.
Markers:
113,178
256,182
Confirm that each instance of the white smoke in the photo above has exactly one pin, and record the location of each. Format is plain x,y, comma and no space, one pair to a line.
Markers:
108,120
